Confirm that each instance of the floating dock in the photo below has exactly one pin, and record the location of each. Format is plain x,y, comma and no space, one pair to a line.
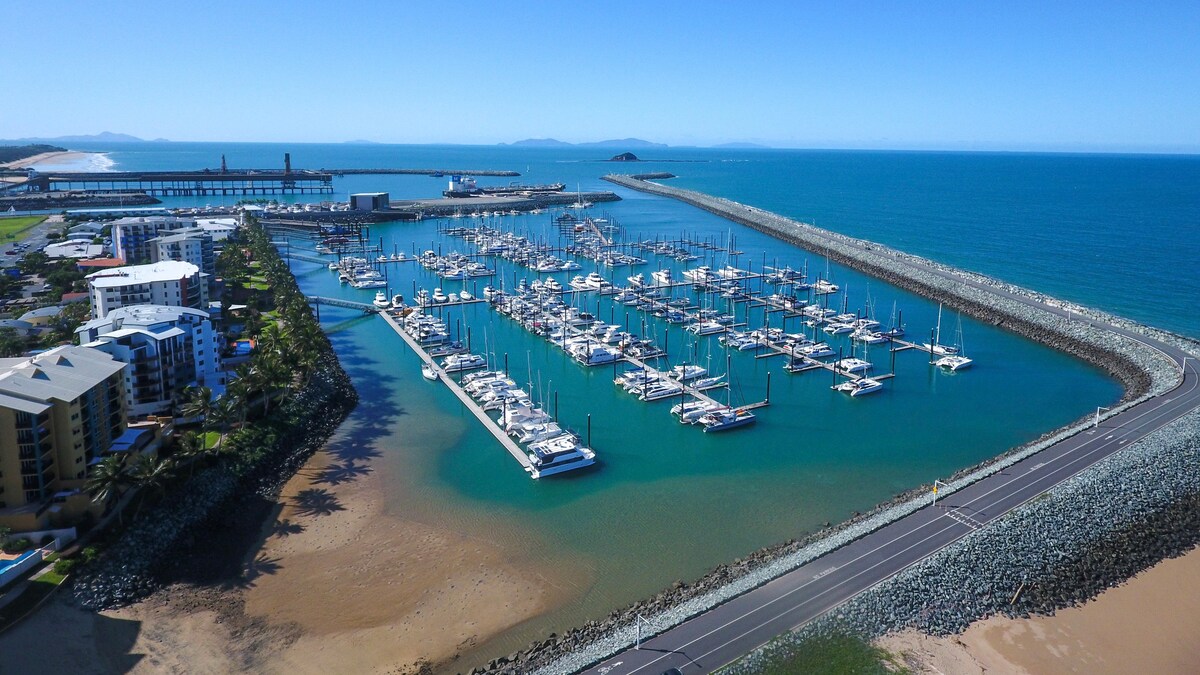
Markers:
488,423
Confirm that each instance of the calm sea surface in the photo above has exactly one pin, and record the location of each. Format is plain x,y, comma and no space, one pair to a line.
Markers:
669,502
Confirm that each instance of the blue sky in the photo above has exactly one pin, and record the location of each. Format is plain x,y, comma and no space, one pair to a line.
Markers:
1005,75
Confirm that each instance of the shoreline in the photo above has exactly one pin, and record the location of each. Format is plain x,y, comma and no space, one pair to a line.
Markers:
68,160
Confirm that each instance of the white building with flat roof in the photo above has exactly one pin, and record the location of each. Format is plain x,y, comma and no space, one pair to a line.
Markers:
131,236
169,282
167,349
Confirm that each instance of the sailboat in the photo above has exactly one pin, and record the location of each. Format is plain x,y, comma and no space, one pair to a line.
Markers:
955,360
934,346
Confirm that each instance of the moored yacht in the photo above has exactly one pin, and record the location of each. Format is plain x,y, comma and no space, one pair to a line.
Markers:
727,418
459,362
558,454
954,362
859,387
381,300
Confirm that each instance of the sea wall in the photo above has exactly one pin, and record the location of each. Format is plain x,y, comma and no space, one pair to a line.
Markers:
1143,370
1092,532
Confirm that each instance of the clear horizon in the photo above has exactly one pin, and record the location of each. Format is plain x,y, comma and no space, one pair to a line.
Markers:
1070,77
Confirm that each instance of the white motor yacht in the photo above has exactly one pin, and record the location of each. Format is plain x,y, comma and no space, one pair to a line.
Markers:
439,297
852,365
381,300
723,419
558,454
459,362
954,362
860,387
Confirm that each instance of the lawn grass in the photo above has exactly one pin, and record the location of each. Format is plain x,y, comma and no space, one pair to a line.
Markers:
833,654
11,227
35,592
211,438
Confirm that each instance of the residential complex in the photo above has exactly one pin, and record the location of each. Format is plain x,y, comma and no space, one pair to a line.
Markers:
60,411
167,349
131,236
171,283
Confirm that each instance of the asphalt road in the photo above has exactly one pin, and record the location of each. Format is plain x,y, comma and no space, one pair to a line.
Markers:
737,627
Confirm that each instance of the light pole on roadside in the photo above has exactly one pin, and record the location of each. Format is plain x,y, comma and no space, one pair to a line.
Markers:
936,483
1096,423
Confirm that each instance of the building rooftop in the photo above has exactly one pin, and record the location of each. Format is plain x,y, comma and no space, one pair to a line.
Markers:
62,373
141,316
42,312
164,270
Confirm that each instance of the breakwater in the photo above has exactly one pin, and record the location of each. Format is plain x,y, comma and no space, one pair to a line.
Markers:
44,201
1110,342
1094,531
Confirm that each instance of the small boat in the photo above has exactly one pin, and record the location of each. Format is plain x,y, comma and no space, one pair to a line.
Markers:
428,372
439,296
397,301
859,387
465,295
692,411
459,362
727,418
954,362
852,365
558,454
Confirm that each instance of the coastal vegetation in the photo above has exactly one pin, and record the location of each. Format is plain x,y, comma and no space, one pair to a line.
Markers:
13,153
283,404
832,653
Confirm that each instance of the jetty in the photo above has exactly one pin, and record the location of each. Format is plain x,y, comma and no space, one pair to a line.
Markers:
488,423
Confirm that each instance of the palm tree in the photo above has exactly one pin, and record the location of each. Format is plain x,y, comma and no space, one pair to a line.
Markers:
197,402
150,473
192,448
107,482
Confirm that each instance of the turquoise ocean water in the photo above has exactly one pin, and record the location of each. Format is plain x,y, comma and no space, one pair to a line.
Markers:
669,502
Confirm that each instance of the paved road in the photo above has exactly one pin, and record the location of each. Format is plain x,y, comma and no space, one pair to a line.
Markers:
727,632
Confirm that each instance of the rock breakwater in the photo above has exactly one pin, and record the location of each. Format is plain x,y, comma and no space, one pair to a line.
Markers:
1092,532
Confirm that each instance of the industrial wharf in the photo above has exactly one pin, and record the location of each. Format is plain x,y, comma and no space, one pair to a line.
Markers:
248,182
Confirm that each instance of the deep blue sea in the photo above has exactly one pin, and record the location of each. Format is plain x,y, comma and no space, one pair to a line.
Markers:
668,502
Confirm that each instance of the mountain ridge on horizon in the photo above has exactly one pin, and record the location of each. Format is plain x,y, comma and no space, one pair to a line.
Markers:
102,137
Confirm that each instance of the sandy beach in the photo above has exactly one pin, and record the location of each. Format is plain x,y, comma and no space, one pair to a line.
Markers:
1150,624
48,158
338,585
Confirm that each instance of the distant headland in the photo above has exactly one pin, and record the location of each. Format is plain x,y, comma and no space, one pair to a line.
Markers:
102,137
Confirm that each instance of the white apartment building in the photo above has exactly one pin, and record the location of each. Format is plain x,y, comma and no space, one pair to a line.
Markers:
169,282
167,349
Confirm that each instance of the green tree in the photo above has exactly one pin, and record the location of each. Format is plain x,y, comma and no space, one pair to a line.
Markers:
150,474
107,481
11,343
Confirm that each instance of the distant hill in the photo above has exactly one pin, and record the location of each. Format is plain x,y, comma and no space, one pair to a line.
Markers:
614,143
360,142
541,143
742,146
102,137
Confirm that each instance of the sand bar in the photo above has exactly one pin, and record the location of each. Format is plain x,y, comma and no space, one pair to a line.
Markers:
1150,624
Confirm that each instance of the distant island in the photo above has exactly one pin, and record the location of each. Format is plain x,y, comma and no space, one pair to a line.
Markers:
102,137
625,157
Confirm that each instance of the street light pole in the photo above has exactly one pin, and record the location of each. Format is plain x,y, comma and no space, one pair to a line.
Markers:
936,483
1097,422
